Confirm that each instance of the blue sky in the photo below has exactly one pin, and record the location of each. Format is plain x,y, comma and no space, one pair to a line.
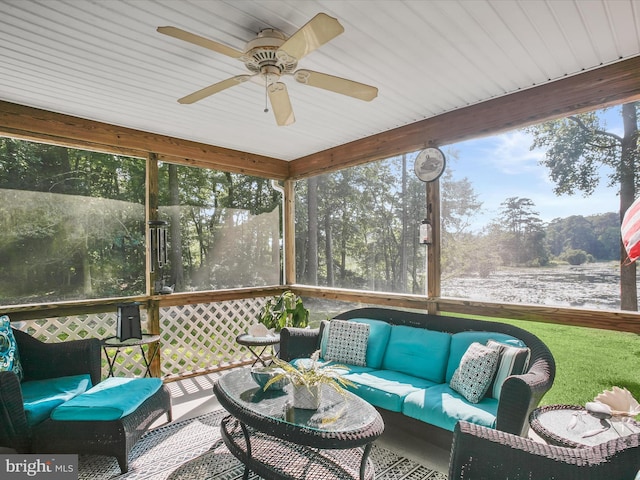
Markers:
503,166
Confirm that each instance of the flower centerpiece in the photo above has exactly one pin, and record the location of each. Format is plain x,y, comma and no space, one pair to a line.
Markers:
307,377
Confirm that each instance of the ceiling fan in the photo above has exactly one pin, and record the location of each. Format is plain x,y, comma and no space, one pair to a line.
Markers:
271,55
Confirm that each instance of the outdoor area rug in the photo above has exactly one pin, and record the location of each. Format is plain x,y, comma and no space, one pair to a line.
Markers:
193,449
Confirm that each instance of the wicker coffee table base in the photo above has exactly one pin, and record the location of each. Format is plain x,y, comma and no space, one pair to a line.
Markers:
276,459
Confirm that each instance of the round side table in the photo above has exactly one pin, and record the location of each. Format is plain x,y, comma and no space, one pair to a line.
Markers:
572,426
117,344
255,343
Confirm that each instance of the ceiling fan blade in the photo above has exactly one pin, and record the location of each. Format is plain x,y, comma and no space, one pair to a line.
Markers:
201,41
215,88
336,84
281,104
315,33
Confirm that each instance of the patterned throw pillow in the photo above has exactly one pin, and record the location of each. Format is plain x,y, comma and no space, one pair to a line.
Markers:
475,372
347,342
513,361
9,358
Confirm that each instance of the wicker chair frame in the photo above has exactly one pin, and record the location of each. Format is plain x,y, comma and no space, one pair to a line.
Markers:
480,453
41,361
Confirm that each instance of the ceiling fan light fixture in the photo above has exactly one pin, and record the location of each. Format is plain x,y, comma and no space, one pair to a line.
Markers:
270,73
271,55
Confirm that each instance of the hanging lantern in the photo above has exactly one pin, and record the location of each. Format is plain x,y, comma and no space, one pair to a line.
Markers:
425,232
129,321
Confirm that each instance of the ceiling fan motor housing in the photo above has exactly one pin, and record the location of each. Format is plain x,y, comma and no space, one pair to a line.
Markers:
262,54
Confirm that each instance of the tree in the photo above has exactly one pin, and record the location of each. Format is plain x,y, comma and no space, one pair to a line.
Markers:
522,233
461,253
576,147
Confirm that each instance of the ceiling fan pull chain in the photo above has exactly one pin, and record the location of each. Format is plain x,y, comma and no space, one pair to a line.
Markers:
266,87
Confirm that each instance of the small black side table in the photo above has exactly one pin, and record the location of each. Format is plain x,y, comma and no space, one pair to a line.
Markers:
115,343
572,426
254,343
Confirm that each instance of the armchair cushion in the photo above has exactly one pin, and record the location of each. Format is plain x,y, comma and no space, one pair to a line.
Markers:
9,355
111,399
42,396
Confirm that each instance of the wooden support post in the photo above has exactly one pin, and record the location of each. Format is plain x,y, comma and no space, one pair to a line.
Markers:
289,225
433,250
153,306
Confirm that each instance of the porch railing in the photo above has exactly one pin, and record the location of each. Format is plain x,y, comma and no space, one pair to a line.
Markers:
194,339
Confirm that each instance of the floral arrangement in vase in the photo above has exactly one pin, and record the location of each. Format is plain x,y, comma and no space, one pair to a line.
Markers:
307,377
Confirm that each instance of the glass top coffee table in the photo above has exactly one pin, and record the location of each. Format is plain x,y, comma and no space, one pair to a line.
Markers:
332,442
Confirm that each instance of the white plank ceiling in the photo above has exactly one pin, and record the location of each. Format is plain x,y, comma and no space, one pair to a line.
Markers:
103,60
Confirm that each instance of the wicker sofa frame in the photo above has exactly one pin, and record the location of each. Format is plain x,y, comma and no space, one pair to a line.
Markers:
521,394
480,453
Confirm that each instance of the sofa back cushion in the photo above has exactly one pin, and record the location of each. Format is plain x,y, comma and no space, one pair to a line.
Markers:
417,351
379,332
460,343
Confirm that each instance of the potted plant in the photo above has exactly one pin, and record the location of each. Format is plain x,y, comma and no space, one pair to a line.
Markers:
307,377
284,310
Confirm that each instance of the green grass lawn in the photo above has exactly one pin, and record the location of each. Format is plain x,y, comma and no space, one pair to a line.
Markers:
588,361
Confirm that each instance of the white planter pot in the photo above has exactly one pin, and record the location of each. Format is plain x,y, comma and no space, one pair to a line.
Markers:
307,398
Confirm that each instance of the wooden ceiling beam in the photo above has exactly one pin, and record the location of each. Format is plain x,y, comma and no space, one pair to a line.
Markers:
609,85
40,125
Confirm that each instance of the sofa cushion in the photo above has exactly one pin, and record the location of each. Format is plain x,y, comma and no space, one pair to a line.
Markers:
460,343
111,399
40,397
444,407
9,355
379,332
476,371
385,388
513,361
347,342
417,351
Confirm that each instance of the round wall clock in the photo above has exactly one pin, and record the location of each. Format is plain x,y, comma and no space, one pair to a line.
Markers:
429,164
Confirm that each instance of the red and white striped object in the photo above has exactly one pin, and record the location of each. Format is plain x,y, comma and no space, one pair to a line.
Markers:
630,230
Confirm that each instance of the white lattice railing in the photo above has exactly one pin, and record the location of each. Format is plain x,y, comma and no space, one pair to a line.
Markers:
197,337
194,338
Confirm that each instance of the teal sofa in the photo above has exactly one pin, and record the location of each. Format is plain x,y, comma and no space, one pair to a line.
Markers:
410,361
